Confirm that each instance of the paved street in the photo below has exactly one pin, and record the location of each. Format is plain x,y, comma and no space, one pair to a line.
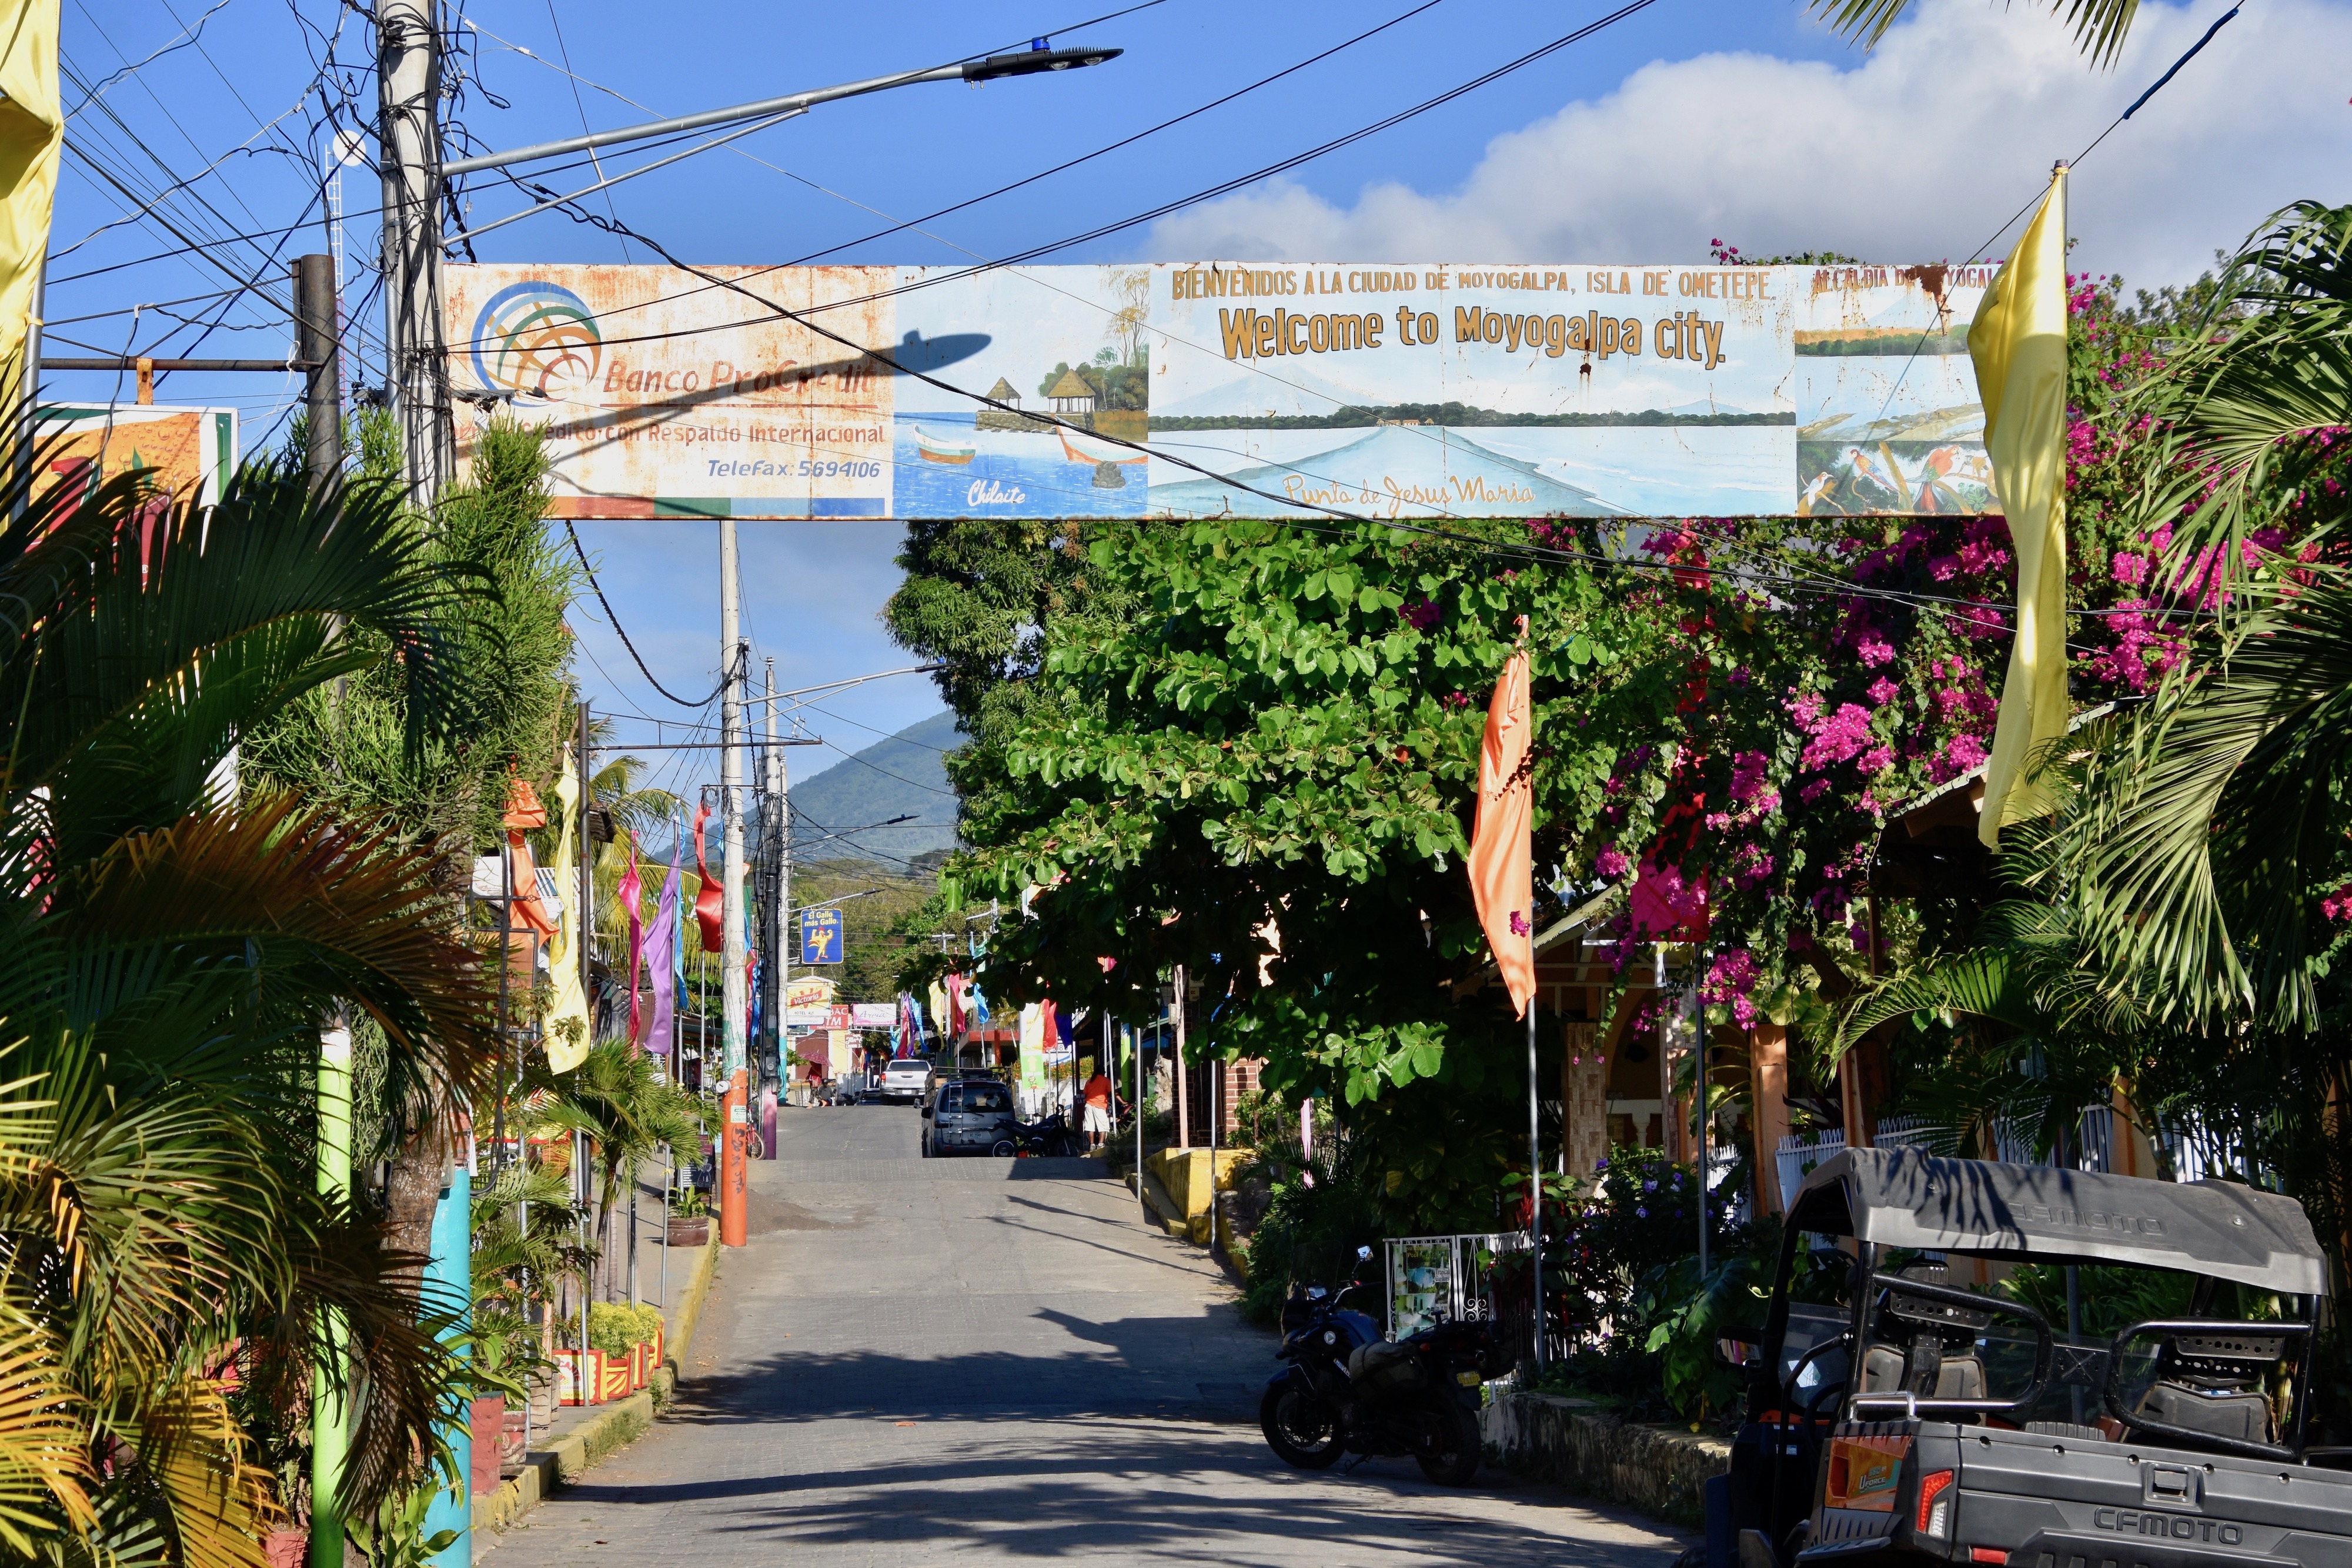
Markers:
988,1360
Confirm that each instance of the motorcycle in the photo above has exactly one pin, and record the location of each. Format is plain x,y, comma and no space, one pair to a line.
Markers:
1346,1390
1050,1136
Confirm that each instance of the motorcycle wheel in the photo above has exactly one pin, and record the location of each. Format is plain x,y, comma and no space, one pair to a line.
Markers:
1300,1428
1453,1458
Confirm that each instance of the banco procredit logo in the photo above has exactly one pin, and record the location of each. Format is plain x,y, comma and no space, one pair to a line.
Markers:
537,341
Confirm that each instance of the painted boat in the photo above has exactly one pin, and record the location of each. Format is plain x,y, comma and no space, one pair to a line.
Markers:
1079,447
939,447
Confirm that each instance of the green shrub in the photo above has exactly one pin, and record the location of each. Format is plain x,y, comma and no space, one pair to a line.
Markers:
614,1327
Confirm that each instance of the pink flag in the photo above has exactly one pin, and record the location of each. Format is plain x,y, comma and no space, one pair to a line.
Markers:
632,891
661,960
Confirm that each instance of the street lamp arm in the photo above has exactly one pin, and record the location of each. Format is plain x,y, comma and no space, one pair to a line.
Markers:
852,681
1026,63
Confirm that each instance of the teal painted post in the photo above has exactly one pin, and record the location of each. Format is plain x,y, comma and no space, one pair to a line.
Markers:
448,1285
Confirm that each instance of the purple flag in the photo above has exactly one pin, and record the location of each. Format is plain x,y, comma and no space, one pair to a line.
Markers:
659,941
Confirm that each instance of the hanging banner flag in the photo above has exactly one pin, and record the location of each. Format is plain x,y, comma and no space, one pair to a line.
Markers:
1213,389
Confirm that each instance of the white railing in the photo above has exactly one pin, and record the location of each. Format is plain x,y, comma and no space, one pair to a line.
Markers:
1799,1154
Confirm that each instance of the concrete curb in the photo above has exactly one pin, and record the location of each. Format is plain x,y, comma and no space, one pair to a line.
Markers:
563,1462
1170,1218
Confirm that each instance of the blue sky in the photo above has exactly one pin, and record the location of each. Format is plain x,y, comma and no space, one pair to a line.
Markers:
1691,121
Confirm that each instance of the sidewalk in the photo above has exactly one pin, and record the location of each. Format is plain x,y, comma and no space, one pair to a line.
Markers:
579,1436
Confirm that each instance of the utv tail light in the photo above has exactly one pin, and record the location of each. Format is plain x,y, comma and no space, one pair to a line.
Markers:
1935,1508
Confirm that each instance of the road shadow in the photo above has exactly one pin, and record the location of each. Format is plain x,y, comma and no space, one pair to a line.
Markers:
1140,1486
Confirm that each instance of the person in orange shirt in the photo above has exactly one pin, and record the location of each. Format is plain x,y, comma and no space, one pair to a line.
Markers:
1098,1098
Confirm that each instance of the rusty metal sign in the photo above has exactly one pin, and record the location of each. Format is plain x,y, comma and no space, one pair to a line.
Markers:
1233,389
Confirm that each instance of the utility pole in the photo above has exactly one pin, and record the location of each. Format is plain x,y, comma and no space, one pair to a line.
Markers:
734,1179
586,891
775,827
408,136
315,346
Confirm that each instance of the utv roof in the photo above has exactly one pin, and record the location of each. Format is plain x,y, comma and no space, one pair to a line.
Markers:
1900,1197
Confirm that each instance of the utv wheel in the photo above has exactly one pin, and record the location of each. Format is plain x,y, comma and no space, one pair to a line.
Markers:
1452,1458
1300,1428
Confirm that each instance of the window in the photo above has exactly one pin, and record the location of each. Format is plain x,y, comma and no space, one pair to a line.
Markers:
986,1097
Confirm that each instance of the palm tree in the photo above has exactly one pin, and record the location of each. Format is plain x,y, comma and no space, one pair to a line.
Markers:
2213,823
2099,26
627,1110
169,944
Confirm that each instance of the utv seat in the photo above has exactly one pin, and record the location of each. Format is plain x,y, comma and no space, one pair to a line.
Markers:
1959,1376
2212,1383
2239,1415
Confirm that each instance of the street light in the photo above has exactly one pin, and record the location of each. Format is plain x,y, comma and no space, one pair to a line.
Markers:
1037,58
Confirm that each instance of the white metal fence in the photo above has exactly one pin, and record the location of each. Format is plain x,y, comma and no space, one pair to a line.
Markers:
2099,1132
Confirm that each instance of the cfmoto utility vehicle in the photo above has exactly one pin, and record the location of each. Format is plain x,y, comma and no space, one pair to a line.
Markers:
1903,1415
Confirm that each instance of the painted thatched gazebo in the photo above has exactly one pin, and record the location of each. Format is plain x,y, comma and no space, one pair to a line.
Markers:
1071,394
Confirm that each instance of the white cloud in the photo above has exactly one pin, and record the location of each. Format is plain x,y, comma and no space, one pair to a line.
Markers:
1915,152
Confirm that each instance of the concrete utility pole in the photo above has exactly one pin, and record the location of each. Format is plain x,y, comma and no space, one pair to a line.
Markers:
315,332
408,136
775,826
734,1180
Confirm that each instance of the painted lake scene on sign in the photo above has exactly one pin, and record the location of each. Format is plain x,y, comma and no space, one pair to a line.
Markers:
948,467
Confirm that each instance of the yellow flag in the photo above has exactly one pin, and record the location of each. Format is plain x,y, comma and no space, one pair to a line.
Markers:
2018,343
32,130
567,1016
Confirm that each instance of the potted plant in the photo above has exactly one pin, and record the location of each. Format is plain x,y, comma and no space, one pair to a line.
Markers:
627,1336
689,1218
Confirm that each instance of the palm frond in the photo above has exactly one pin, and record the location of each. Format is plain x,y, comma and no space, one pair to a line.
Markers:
46,1476
126,697
216,1502
2099,26
314,912
2268,369
2211,823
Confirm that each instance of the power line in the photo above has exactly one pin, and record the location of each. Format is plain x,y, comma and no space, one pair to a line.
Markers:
1163,210
1127,140
622,633
1994,238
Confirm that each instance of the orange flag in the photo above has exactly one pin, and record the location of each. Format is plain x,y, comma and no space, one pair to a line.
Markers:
1501,867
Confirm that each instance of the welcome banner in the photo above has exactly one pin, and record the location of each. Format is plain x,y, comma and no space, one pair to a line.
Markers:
1235,389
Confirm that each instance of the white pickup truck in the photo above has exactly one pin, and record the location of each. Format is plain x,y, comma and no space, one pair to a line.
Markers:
903,1079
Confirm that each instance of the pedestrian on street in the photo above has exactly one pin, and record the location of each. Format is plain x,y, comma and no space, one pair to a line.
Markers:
1099,1094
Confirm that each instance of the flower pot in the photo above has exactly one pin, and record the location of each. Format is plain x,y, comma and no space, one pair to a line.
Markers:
489,1424
575,1387
614,1381
286,1548
695,1232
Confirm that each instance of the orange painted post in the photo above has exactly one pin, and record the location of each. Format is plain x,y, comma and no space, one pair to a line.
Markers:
734,1229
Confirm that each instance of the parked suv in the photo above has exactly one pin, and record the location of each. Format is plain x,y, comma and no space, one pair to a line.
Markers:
903,1079
969,1116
